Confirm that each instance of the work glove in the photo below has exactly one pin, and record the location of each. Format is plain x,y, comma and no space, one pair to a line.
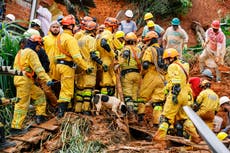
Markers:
105,67
89,70
174,99
50,83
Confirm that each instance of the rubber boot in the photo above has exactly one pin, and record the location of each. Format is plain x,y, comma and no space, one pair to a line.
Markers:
16,132
3,143
62,108
140,118
40,119
160,140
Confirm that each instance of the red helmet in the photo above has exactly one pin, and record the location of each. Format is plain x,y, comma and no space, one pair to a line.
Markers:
68,20
216,24
111,22
91,25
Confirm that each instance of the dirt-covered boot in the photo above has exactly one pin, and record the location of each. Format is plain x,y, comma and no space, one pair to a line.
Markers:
40,119
62,108
159,140
3,143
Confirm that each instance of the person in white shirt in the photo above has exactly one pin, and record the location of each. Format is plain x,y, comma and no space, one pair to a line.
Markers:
44,15
128,25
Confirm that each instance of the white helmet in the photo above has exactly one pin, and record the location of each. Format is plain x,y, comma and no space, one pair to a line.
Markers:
224,99
129,13
11,17
37,21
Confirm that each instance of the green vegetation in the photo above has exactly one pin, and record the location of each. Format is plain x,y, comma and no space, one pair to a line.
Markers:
162,8
73,137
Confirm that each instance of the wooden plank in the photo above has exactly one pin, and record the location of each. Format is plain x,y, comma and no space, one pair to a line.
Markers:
33,136
19,146
50,125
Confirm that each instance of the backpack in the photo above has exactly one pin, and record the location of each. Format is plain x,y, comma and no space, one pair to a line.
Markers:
160,61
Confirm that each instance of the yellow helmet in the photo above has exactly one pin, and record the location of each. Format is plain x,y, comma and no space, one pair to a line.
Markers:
150,35
170,53
222,135
148,16
150,24
131,36
119,34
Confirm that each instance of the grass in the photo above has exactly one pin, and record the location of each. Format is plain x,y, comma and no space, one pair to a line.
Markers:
74,137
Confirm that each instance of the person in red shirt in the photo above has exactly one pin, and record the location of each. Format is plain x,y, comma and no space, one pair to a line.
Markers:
195,82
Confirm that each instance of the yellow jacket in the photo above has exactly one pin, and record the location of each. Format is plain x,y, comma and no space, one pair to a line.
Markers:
51,48
27,60
176,75
106,57
134,61
70,46
208,100
79,34
87,43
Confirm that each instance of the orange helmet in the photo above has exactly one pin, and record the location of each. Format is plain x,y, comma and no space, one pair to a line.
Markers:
131,36
111,22
91,25
150,35
86,19
36,38
68,20
216,24
170,53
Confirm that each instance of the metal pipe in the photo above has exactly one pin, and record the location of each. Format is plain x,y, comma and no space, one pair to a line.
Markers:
33,10
213,142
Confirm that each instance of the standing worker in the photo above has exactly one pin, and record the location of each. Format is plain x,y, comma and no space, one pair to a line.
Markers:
86,82
214,48
175,37
149,17
153,79
130,72
27,60
128,25
106,48
177,97
68,53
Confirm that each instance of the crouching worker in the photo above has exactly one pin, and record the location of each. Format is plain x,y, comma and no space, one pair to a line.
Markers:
27,60
176,98
3,143
208,103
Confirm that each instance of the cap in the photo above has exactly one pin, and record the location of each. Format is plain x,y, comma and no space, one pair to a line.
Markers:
224,100
37,21
11,17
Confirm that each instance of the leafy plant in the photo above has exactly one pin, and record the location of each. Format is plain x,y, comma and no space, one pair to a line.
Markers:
73,138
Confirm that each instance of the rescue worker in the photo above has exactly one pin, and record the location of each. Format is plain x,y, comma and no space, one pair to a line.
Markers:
86,82
153,79
128,25
175,37
196,81
3,143
83,23
176,98
224,110
68,53
107,52
214,48
149,17
130,65
51,48
208,102
27,60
